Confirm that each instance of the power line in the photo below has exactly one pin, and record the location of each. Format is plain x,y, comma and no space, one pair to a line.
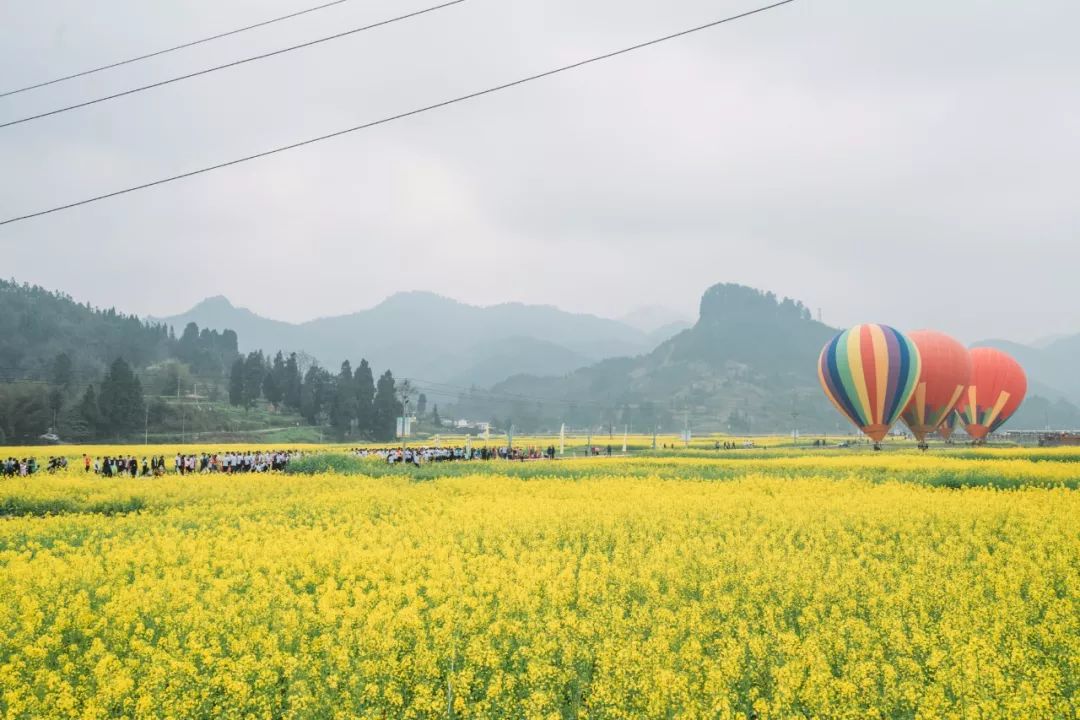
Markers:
234,63
400,116
182,46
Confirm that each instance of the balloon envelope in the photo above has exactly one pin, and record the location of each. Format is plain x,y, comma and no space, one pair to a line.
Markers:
998,385
947,428
946,370
869,374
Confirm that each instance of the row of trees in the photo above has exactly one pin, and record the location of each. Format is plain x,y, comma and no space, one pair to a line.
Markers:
112,409
116,408
351,402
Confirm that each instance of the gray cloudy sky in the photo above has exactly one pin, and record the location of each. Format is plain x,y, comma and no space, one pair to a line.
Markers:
909,162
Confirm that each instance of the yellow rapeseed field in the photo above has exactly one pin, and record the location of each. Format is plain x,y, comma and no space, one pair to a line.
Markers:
626,588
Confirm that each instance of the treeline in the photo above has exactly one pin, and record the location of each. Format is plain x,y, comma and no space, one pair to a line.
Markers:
350,402
86,374
37,325
112,409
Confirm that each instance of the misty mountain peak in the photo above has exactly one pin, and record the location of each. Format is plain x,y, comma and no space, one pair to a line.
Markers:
727,301
412,300
214,304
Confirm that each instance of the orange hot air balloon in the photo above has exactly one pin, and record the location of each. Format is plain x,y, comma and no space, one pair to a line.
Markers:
946,370
997,388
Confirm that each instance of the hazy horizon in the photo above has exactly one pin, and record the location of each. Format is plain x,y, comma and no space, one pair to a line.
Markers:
912,164
690,316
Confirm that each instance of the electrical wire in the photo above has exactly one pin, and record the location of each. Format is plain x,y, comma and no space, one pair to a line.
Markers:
400,116
174,48
232,64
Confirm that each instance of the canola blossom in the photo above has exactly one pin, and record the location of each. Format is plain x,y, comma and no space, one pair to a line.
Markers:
624,588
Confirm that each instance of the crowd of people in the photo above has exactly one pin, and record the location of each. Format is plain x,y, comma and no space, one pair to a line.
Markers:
745,445
422,455
191,464
14,467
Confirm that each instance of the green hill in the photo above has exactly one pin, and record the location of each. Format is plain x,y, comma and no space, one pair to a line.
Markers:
748,364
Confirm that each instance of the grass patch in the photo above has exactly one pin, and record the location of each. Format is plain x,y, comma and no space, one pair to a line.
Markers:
22,506
330,463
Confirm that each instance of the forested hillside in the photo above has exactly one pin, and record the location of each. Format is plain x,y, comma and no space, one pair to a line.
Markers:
74,372
38,325
747,365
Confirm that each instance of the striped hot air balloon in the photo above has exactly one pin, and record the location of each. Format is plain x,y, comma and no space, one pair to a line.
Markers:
998,385
946,429
869,373
946,370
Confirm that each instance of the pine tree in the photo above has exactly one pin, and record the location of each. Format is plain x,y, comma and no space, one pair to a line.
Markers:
343,406
421,406
293,384
435,419
236,383
120,400
314,395
274,382
386,408
364,386
254,371
89,412
187,348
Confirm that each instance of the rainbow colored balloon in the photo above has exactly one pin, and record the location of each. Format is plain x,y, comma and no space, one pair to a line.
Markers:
869,373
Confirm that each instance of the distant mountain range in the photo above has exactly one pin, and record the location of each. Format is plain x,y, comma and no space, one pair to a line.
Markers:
656,318
426,336
748,364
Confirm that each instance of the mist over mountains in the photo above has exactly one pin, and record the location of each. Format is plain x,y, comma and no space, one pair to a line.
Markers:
427,336
747,364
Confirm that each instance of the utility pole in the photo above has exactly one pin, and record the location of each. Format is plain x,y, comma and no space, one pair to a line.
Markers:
404,423
405,390
794,419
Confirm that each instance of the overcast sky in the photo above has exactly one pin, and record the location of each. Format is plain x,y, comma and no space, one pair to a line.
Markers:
914,162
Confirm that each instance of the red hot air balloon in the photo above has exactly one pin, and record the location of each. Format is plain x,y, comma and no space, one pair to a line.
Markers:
997,388
869,373
946,370
947,428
